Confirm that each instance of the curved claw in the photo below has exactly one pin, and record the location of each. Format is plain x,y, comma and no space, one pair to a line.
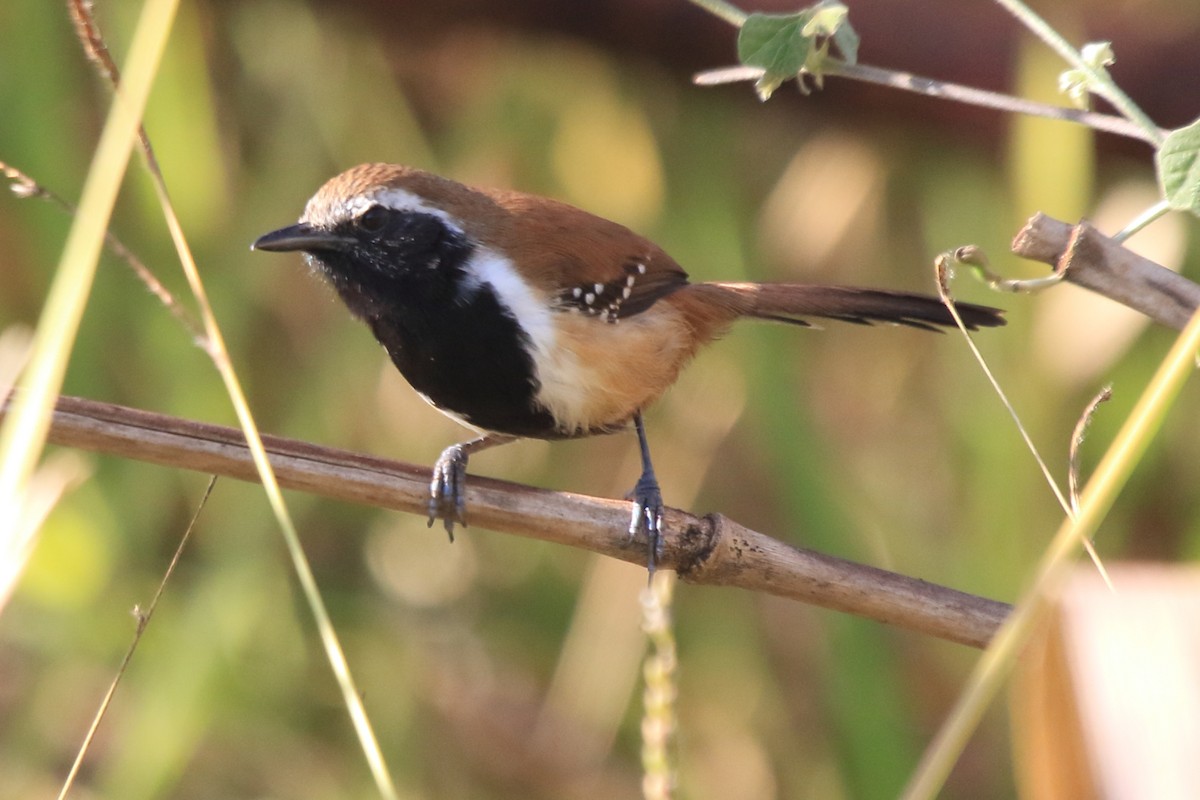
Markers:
647,502
647,517
447,489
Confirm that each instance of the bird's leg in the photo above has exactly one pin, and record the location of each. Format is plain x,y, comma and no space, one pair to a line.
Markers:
647,501
447,490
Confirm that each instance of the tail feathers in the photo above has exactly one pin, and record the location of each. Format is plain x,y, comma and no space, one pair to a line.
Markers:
791,302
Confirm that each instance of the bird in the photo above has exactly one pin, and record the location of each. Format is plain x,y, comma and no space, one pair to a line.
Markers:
521,316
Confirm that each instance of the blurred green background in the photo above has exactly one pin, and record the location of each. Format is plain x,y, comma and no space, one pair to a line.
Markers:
500,667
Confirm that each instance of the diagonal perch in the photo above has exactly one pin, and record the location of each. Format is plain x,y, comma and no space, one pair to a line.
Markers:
704,550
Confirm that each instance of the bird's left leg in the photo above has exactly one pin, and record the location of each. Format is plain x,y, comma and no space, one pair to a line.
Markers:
647,501
448,488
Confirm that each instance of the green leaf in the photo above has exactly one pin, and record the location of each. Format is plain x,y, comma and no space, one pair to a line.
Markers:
786,46
845,38
774,43
1178,164
829,19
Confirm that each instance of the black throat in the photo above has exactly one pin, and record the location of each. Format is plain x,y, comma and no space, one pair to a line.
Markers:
447,332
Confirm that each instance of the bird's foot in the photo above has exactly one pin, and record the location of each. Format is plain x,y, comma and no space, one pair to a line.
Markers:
647,517
447,490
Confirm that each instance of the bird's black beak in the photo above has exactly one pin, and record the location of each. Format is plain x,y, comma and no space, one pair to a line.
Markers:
302,237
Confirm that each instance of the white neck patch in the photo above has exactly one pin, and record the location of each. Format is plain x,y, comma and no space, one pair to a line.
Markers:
558,371
531,312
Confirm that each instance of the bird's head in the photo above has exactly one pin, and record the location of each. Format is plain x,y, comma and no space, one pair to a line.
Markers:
375,224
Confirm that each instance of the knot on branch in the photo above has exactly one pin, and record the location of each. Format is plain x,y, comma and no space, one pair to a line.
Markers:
1084,256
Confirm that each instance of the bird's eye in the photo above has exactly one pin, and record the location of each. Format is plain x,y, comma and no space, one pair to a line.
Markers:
373,219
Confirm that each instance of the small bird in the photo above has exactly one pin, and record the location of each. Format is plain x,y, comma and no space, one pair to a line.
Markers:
524,317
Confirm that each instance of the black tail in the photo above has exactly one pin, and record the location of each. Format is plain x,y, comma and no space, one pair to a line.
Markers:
791,302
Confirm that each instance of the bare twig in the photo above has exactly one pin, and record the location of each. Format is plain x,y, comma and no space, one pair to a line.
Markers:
1099,81
1088,258
704,550
986,99
726,11
944,90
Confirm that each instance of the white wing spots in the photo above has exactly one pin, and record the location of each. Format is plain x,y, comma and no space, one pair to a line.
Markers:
603,300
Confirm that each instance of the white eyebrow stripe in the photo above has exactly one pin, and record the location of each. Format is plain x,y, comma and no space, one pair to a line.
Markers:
402,200
395,199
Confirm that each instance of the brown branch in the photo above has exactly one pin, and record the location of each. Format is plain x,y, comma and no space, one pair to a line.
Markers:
704,550
1088,258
